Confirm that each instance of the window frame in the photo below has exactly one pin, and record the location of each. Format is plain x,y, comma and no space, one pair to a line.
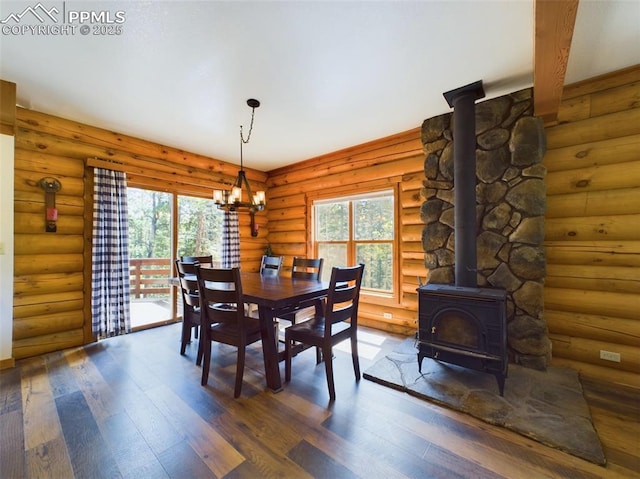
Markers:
364,190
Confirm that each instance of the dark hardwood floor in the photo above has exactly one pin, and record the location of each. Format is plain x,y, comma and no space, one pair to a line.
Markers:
133,407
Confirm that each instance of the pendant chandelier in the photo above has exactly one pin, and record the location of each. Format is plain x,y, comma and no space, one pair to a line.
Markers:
231,200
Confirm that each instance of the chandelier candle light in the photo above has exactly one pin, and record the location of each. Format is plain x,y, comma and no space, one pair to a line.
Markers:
231,200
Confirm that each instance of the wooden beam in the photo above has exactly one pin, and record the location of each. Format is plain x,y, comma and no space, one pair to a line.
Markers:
554,22
7,108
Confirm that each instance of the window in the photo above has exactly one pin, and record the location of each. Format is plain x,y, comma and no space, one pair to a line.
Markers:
149,223
358,229
199,228
150,212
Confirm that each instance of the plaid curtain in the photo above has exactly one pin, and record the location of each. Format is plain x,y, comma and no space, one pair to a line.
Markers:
230,240
110,272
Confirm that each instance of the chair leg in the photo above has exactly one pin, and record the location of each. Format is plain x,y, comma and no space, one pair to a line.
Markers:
354,356
200,351
206,357
186,335
239,370
328,366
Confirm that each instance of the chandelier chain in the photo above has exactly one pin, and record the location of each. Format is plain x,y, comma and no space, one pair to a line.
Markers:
253,111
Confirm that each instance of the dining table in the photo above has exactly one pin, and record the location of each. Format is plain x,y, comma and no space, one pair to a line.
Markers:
274,296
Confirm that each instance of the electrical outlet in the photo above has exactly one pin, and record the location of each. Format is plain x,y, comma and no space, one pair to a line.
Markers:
609,356
387,315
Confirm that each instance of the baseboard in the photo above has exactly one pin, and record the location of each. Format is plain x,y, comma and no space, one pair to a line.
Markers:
7,363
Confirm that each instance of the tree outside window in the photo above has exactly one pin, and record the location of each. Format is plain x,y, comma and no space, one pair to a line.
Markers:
199,225
149,223
358,229
199,228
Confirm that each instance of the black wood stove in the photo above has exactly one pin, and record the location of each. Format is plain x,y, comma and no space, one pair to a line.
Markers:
463,324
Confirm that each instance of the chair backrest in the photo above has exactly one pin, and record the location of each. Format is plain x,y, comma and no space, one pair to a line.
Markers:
270,265
188,284
197,259
343,296
307,268
185,267
220,295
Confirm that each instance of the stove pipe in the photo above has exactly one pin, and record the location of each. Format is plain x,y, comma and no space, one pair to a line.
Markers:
462,100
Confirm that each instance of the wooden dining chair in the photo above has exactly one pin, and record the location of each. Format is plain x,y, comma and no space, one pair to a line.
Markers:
304,268
339,321
190,305
223,317
307,268
271,265
204,260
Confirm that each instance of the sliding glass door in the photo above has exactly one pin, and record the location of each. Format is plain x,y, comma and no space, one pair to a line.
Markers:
163,227
150,257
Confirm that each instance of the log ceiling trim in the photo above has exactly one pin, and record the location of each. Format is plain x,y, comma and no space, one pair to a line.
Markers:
613,79
554,23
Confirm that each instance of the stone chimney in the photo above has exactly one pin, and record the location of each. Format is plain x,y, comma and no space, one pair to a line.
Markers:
510,203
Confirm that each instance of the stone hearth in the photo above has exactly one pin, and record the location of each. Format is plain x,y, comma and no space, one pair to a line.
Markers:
546,406
510,207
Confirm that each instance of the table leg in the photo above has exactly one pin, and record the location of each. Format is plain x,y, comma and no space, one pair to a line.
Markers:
269,351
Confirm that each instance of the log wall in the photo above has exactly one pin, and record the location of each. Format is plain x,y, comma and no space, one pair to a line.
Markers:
395,161
52,273
592,287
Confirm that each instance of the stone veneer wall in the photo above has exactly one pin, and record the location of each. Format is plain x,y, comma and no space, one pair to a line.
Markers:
510,207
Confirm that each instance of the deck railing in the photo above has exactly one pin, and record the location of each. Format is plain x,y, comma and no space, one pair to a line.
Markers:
149,277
